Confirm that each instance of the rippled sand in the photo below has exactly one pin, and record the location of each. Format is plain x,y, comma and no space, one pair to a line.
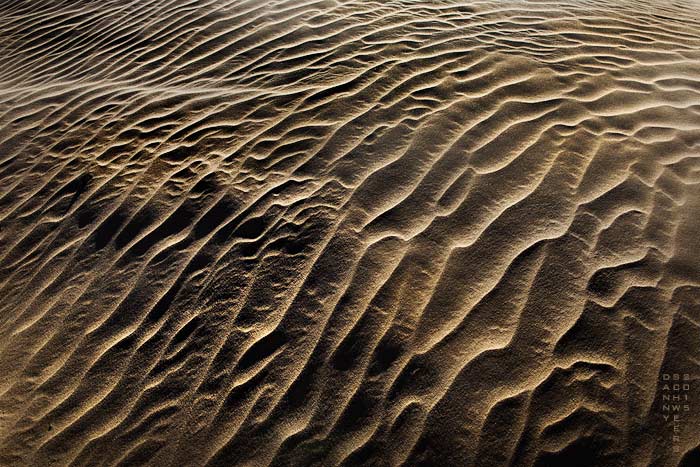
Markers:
349,233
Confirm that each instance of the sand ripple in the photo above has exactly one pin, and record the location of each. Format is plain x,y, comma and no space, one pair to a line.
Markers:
348,232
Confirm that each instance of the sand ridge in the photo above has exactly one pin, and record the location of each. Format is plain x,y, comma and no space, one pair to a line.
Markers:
348,232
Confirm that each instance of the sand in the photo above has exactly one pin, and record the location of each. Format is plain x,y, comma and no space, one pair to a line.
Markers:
359,233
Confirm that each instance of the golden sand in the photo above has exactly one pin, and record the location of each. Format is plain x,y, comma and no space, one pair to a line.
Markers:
359,233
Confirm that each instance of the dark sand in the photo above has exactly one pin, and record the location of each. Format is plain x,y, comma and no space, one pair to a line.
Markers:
289,233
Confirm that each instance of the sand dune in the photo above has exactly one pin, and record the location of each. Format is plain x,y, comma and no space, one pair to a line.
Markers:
351,233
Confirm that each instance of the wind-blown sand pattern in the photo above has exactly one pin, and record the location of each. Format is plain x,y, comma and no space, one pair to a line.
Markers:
348,233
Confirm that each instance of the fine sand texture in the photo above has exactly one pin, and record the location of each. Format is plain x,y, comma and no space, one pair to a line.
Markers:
358,233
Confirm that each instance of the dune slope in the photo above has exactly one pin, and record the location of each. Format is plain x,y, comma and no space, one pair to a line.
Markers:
378,233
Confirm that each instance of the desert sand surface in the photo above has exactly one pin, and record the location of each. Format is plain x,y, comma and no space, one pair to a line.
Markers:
357,233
